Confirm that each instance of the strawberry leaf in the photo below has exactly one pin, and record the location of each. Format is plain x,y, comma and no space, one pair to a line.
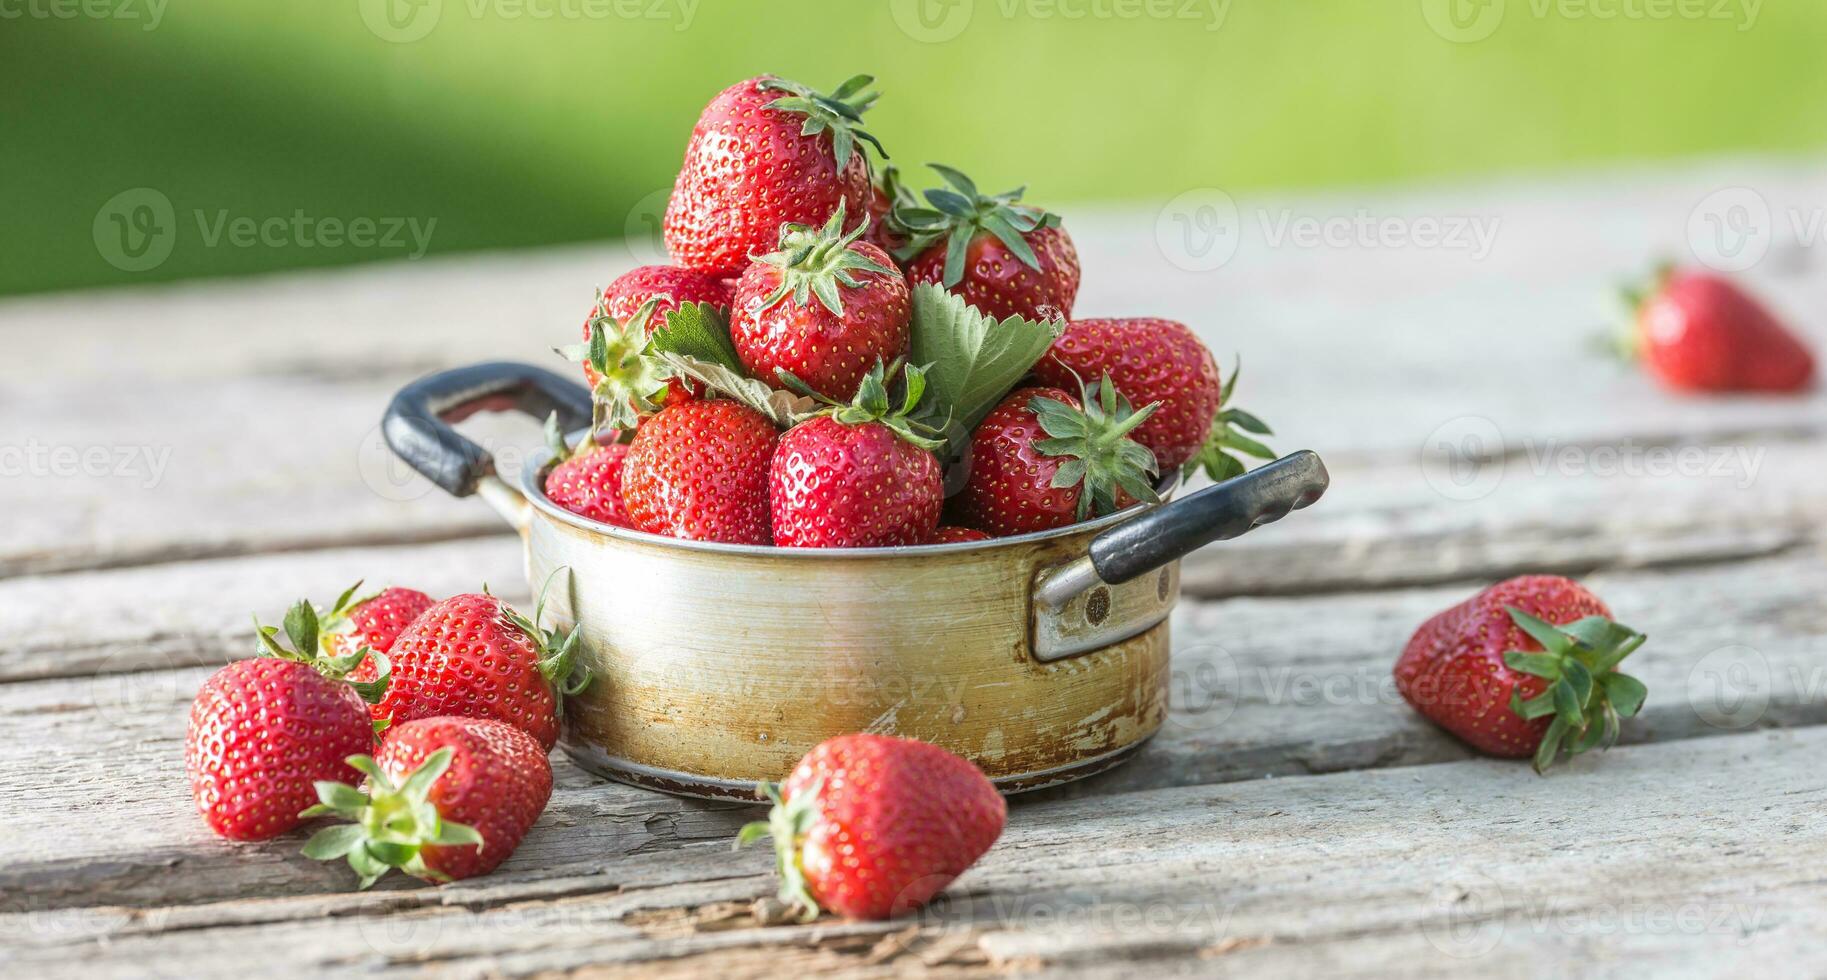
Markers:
698,331
1625,693
975,359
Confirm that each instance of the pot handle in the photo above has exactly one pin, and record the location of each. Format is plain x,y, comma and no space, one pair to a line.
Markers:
1175,529
417,425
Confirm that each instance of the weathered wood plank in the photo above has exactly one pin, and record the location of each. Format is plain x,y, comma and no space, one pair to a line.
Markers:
1264,687
1426,871
1354,351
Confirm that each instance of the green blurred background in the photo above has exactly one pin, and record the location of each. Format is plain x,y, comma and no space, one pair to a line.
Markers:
521,122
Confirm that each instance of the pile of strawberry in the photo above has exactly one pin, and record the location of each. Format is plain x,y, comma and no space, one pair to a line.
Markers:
827,348
423,727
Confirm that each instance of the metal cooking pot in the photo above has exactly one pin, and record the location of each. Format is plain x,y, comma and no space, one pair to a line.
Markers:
1042,658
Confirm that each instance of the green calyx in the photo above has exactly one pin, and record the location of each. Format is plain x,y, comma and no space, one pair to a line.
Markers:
1098,451
840,113
310,635
959,214
816,261
1624,342
632,382
1586,695
389,825
874,402
557,651
1219,457
788,823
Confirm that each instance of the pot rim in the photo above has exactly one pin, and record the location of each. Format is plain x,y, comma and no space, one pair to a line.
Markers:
533,489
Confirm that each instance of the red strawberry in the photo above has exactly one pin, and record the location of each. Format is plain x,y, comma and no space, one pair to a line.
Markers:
1005,258
1043,459
956,535
263,730
587,482
1525,667
824,308
371,621
766,152
475,656
446,798
1700,332
668,287
872,827
1148,360
699,470
859,476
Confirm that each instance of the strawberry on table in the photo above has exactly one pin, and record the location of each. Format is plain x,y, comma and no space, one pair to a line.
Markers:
667,287
446,798
262,731
824,308
476,656
858,476
1044,459
1004,257
587,480
1525,668
1702,333
871,827
766,152
699,470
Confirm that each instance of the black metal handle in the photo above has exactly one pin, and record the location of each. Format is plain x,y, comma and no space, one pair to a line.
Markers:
1216,513
417,425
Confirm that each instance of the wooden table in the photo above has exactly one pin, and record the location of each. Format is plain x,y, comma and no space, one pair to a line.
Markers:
182,456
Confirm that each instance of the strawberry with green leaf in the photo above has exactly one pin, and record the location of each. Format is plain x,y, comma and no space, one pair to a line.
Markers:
1230,438
1526,668
666,288
1004,257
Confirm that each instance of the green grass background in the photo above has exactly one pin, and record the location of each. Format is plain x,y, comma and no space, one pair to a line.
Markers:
514,131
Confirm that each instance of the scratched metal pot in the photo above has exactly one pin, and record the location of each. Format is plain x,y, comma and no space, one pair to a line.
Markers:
1042,658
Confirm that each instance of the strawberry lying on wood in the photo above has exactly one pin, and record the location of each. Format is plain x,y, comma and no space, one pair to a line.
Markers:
1702,333
446,798
263,730
767,152
477,657
1004,257
1528,667
872,827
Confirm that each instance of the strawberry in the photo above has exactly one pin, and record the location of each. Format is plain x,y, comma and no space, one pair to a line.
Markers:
372,621
766,152
887,193
1149,360
823,308
1524,668
858,475
668,287
1043,459
263,730
871,827
1700,332
475,656
699,470
588,481
956,535
1005,258
446,798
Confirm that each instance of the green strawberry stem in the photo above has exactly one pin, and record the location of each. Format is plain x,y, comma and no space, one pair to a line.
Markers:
1586,695
557,651
788,823
1221,456
1624,342
1099,454
816,261
874,404
390,824
960,214
631,381
841,112
310,637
